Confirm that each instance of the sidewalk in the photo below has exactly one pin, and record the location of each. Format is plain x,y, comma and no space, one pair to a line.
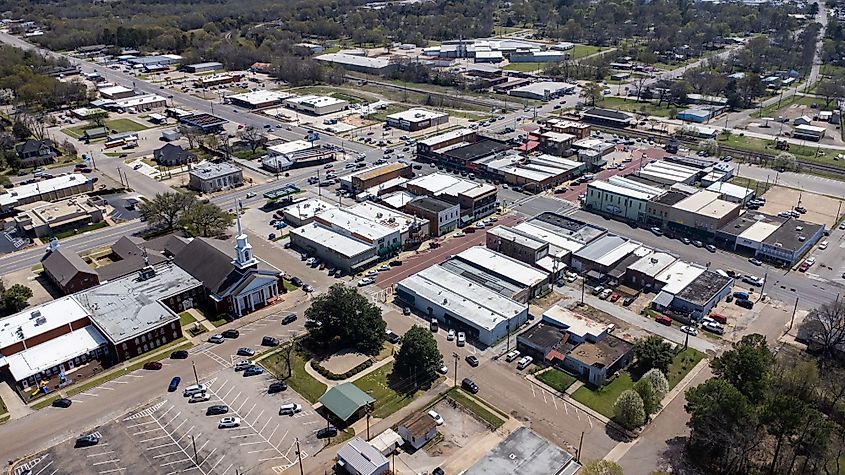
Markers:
565,397
332,383
14,404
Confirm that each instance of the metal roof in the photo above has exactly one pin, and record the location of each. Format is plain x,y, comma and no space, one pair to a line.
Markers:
344,400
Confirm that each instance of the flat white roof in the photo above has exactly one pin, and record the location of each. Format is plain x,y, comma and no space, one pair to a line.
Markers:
678,276
441,183
260,97
26,324
759,231
706,203
608,249
654,263
315,101
555,240
344,219
417,115
139,100
503,265
451,135
387,217
308,208
619,190
463,298
391,183
290,147
736,191
398,199
574,323
809,128
111,90
342,244
667,172
354,60
54,352
540,88
13,195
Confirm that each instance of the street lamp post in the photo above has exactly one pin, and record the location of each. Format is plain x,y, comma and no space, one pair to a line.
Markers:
455,355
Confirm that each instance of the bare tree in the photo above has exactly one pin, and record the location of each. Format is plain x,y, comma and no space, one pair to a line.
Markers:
193,134
824,330
252,137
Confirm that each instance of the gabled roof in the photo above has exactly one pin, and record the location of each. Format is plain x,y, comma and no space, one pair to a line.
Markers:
130,250
345,399
64,265
170,152
32,146
207,261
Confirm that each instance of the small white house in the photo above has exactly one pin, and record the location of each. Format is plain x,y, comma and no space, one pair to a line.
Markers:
418,429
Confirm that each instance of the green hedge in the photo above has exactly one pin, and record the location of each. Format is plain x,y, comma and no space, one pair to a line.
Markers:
328,374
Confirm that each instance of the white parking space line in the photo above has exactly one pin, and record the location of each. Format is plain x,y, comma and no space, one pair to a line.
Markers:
175,462
258,418
76,401
100,454
134,376
106,388
216,463
145,431
154,438
252,443
180,425
44,467
121,382
250,410
202,446
105,462
228,468
167,454
162,445
185,434
88,394
140,424
104,472
262,450
265,424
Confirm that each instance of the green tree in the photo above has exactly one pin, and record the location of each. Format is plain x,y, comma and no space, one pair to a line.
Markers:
165,209
653,352
658,382
830,90
419,354
746,366
786,161
647,393
205,219
15,298
628,410
591,93
601,467
347,316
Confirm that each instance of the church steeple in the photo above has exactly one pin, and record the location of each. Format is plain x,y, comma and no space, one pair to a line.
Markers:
243,250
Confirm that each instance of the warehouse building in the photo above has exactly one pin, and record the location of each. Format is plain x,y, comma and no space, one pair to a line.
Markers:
207,123
461,304
530,280
808,132
295,154
335,249
443,217
597,259
608,117
669,173
702,294
621,198
697,214
781,241
116,92
361,64
316,105
258,99
417,119
542,90
564,235
303,212
141,103
413,230
203,67
51,189
154,61
370,177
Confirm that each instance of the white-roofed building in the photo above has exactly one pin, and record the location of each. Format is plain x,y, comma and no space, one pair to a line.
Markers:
704,211
579,327
476,200
141,103
677,276
462,304
116,92
417,119
353,225
731,192
258,99
359,63
643,273
410,228
86,342
543,90
303,212
621,198
282,156
316,105
51,189
334,248
600,256
668,173
531,280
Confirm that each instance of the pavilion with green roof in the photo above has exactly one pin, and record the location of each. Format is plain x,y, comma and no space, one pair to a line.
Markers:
346,401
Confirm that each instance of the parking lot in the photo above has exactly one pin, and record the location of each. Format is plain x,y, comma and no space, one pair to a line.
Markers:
820,209
172,436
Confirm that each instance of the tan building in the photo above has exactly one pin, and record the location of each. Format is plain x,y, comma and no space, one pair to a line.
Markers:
42,219
374,176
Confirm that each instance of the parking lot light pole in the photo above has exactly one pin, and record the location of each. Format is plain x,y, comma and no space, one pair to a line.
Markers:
299,456
195,371
196,455
455,355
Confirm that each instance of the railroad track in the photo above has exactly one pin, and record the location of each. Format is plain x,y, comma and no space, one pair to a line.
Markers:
761,158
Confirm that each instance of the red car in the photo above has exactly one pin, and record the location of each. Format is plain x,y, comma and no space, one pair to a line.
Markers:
152,365
719,317
663,319
804,266
614,297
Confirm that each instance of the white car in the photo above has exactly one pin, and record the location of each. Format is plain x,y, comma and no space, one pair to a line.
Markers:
524,362
365,281
199,397
571,277
512,356
450,335
438,419
605,294
228,422
689,330
194,389
460,234
443,369
823,245
243,364
249,195
384,268
462,339
216,339
371,273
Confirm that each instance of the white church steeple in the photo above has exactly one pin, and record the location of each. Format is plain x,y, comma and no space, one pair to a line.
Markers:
243,250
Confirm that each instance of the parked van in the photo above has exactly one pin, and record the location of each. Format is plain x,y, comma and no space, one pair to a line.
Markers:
741,295
524,362
745,303
194,389
289,409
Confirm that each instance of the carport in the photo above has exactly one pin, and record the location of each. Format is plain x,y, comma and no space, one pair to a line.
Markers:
346,402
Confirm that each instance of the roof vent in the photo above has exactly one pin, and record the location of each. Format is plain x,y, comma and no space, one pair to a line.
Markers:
147,273
34,314
40,321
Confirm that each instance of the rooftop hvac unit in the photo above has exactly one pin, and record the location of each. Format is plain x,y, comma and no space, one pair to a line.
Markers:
40,321
35,314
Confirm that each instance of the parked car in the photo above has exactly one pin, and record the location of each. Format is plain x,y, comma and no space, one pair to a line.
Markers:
326,432
365,281
438,419
216,410
216,339
231,334
605,294
179,355
462,339
244,351
685,240
472,360
433,326
174,384
450,335
277,387
228,422
87,441
153,365
689,330
243,364
628,301
755,261
406,311
62,402
657,231
392,337
307,288
614,297
199,397
698,244
253,371
714,327
524,362
718,317
469,385
664,320
514,354
194,389
745,303
597,290
741,295
289,409
710,248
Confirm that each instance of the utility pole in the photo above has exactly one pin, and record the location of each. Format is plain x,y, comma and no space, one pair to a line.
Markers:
580,444
195,371
299,456
120,177
196,455
583,280
792,320
369,410
455,355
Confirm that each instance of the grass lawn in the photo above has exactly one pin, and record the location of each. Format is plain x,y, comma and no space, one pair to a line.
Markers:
602,399
381,115
185,318
289,286
74,232
557,379
114,125
524,67
632,105
752,144
759,187
136,363
774,109
491,418
2,407
682,364
579,51
300,381
220,321
504,30
380,386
